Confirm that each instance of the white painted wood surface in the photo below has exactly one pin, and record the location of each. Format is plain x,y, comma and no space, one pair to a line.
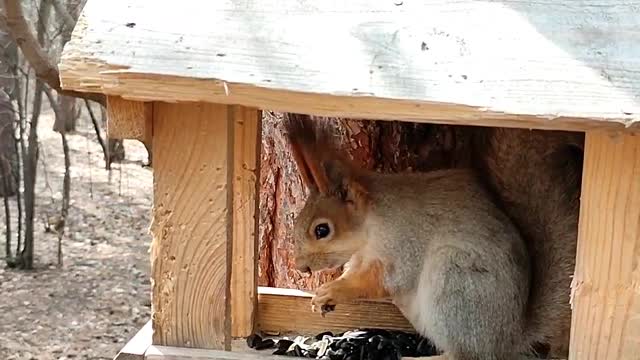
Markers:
546,64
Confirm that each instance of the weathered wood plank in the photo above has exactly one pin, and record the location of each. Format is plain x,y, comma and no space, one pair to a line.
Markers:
545,64
288,310
138,345
606,296
246,167
192,225
128,119
173,353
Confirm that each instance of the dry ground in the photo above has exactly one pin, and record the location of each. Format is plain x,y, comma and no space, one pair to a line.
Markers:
91,306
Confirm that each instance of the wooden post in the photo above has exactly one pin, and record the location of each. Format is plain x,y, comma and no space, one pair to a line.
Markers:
196,187
606,286
246,188
129,119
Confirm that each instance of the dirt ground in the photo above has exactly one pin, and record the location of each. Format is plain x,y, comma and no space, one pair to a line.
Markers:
91,306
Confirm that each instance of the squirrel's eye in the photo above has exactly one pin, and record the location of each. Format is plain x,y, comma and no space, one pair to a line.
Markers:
322,231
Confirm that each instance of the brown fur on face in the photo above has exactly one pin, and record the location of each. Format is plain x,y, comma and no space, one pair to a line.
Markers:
338,198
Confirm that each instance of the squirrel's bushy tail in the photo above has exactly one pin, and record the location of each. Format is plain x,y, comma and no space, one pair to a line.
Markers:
536,177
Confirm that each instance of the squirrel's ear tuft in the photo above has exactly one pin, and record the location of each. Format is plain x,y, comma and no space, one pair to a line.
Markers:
305,151
345,182
322,167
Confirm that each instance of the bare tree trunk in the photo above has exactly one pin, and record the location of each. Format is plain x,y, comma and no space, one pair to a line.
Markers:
116,150
69,112
115,146
379,146
9,53
30,170
22,119
32,151
60,224
66,194
7,147
7,210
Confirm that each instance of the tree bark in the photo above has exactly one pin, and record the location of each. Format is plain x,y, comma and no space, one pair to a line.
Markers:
31,150
8,173
61,222
376,145
7,211
7,147
69,114
30,170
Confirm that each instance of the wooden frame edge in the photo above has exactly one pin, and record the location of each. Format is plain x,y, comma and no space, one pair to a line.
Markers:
137,346
289,310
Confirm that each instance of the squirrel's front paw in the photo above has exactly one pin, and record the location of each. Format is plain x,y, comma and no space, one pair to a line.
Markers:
326,298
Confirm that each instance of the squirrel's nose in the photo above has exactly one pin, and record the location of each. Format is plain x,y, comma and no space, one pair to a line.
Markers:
303,267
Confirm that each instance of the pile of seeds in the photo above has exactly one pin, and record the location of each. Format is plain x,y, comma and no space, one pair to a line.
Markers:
365,344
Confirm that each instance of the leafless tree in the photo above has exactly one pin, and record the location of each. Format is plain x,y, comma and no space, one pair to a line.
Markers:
36,74
39,59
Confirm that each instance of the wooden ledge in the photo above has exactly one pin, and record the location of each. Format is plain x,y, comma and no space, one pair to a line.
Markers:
279,311
287,310
176,353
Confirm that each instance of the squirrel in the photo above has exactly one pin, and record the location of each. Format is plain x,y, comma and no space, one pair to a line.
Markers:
437,243
536,177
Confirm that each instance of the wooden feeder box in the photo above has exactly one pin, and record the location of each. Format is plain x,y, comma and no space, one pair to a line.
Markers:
190,78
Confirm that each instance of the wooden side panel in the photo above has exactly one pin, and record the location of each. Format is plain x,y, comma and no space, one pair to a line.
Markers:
192,230
244,273
288,310
606,288
128,119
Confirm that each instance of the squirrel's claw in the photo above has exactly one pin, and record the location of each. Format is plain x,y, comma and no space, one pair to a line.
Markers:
323,301
323,309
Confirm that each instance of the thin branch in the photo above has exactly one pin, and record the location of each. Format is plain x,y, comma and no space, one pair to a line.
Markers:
90,167
96,127
17,26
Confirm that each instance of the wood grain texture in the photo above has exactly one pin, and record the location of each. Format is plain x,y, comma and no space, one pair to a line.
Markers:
192,230
174,353
605,291
246,169
138,345
128,119
545,64
288,310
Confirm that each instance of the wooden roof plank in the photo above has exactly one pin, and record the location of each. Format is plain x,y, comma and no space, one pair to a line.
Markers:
546,64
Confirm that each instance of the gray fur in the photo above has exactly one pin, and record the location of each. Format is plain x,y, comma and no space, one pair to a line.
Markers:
536,176
461,271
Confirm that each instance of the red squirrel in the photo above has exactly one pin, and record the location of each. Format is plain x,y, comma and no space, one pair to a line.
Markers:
479,262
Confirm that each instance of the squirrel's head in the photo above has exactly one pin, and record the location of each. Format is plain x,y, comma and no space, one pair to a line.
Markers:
328,230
